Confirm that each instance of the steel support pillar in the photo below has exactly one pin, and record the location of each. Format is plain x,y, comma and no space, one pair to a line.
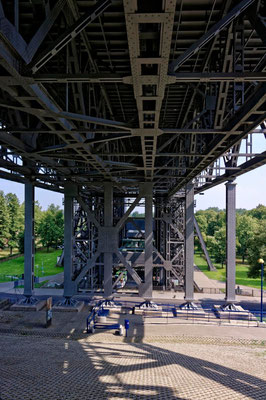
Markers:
108,222
16,14
69,287
189,243
145,290
29,246
230,241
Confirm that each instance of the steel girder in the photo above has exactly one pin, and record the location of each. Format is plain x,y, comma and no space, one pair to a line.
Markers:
115,113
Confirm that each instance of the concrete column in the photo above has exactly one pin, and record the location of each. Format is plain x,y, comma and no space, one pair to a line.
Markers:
29,245
145,289
230,241
69,288
108,222
189,242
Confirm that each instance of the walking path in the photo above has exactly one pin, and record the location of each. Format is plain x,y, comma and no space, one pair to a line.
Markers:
204,282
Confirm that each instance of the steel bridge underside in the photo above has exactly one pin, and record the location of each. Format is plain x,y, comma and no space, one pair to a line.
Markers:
125,99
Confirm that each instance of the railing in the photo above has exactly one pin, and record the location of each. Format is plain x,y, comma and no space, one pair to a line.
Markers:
171,314
212,290
9,278
92,315
99,310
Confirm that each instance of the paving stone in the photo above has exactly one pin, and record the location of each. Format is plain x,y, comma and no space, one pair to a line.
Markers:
107,367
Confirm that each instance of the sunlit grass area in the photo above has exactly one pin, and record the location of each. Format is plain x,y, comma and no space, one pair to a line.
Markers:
220,273
46,263
6,252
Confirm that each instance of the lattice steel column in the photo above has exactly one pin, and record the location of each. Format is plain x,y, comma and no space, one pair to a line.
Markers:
108,222
29,248
145,289
230,241
69,288
189,243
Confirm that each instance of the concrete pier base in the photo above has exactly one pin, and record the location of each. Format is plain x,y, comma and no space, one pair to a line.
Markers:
74,306
27,306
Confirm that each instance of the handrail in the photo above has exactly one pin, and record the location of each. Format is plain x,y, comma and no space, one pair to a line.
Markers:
92,315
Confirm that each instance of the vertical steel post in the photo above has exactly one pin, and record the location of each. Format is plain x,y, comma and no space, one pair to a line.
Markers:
230,241
145,289
68,240
189,243
16,14
261,291
29,246
148,241
108,222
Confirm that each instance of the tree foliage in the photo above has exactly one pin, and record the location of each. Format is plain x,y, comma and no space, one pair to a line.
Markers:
4,221
51,227
257,249
246,228
14,226
250,240
217,245
48,225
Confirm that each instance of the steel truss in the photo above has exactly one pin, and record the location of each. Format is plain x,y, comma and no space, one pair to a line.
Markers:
128,93
90,246
130,128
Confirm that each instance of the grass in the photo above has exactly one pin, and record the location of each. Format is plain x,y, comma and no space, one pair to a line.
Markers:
48,260
6,252
220,274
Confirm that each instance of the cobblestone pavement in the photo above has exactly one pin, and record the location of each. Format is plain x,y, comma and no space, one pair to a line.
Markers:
107,367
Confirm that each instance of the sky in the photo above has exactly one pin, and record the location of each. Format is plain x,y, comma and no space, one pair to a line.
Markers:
250,189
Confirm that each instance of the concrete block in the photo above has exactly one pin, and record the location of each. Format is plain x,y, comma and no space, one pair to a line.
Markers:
59,307
4,303
190,313
28,307
238,314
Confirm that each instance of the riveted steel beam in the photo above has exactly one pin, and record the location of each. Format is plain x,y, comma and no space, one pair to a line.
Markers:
71,33
215,30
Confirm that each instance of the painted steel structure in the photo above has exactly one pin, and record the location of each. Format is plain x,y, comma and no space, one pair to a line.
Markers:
126,101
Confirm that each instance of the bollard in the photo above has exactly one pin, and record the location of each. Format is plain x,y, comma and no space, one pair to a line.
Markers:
121,330
126,325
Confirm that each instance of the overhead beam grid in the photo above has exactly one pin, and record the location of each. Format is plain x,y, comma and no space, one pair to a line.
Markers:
130,92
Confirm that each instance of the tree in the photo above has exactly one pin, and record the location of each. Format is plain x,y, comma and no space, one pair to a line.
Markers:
51,228
259,212
38,214
215,220
257,249
21,241
4,221
203,224
13,208
136,214
217,245
245,230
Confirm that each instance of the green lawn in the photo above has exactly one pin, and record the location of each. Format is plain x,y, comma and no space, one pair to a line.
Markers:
6,252
219,275
48,260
